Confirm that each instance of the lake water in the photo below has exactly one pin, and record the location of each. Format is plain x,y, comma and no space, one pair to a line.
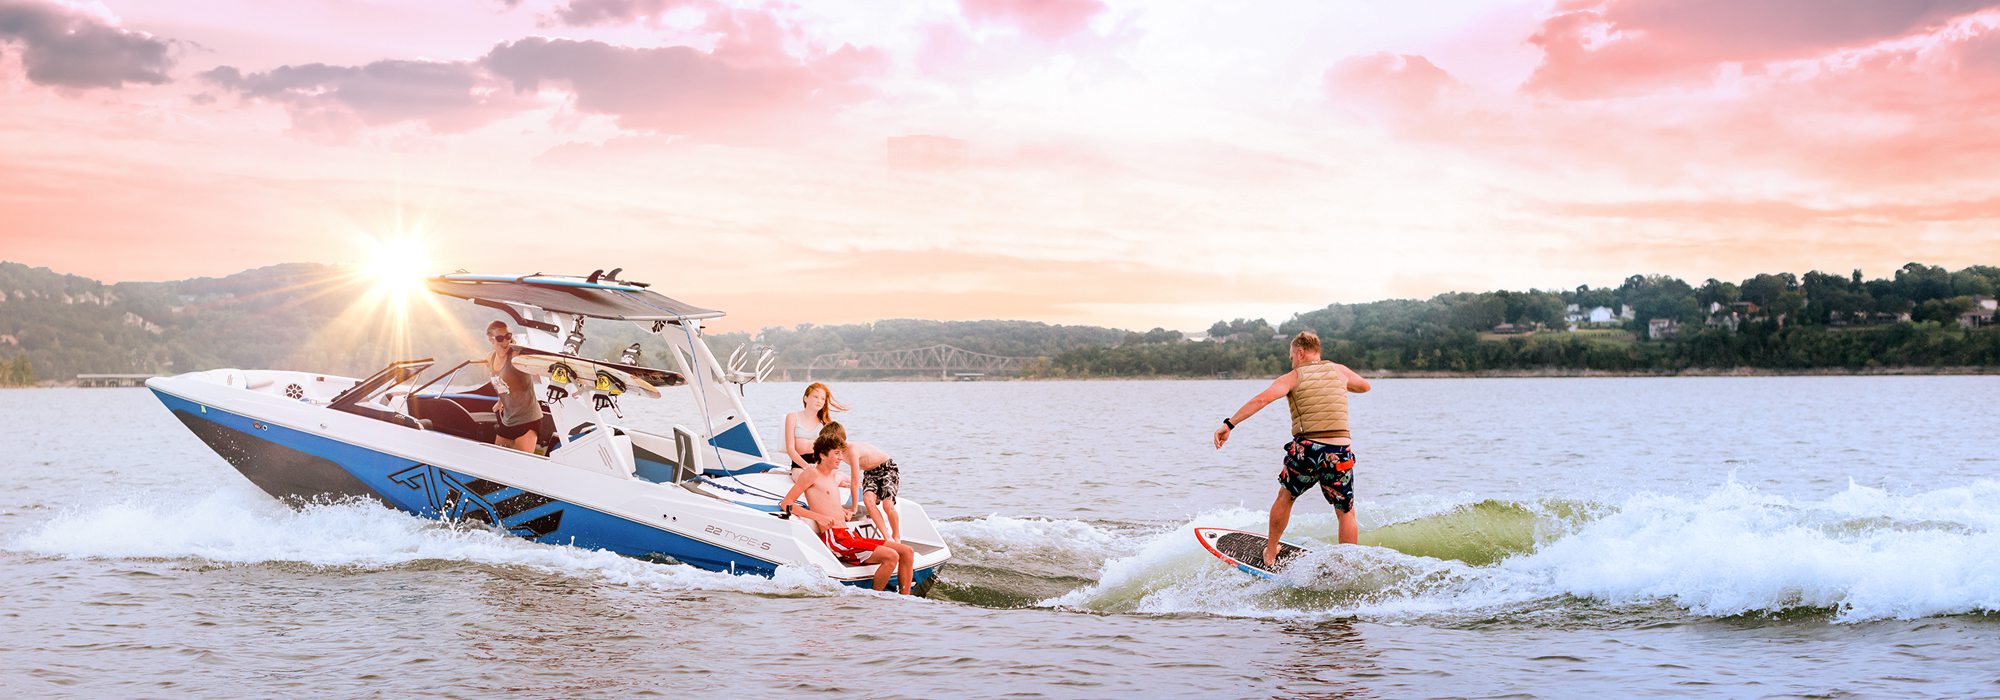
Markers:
1731,537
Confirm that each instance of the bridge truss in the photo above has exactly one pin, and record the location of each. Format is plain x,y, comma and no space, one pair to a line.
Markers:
946,360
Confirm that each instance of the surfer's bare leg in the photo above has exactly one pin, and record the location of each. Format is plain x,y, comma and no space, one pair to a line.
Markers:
907,566
896,557
884,519
1281,516
887,568
1350,529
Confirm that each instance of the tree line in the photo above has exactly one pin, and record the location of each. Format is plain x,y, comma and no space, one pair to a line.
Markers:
305,316
19,371
1775,321
54,326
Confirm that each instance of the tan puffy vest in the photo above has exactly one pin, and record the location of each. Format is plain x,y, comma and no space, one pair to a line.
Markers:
1319,402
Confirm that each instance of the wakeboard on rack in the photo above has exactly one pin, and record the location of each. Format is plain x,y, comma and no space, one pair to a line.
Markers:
1245,550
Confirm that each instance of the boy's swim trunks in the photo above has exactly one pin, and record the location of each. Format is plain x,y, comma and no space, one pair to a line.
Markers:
851,549
883,481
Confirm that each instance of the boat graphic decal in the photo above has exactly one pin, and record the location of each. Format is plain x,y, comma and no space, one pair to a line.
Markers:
453,496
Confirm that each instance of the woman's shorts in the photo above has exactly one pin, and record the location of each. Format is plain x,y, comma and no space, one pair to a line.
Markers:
514,432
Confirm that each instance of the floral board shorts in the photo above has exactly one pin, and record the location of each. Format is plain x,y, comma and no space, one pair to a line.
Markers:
1330,466
882,481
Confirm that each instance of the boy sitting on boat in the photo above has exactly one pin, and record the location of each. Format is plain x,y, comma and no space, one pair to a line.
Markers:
820,486
876,479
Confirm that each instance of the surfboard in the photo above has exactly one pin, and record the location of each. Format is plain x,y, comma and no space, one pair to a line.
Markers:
655,377
587,374
1245,550
545,280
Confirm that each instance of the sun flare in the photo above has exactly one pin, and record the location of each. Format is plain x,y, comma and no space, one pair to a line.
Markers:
397,267
395,314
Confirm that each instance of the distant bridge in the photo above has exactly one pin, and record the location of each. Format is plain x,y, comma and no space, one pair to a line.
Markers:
946,360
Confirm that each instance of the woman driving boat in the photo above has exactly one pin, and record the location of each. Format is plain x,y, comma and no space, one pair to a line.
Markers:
520,412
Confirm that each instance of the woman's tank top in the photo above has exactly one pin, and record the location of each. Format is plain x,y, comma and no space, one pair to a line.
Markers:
518,405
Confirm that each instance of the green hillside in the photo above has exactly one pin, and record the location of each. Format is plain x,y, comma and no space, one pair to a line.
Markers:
54,326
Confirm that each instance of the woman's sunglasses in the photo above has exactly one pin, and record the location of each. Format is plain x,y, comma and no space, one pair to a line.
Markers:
502,336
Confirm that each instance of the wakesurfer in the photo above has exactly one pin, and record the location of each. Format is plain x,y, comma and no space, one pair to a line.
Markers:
1321,448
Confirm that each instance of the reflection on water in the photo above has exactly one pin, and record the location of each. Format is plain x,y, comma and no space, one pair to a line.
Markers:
1320,659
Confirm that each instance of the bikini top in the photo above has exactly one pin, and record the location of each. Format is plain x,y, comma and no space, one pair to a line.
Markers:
800,431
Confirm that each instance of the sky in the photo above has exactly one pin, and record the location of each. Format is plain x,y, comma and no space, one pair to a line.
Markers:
1128,164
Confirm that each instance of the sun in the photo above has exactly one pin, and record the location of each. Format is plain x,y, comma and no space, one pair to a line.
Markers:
397,267
385,315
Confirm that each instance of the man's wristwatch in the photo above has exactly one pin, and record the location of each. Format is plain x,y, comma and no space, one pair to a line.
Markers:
1227,422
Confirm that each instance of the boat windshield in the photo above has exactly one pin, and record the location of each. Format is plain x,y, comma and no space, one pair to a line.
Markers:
468,378
380,390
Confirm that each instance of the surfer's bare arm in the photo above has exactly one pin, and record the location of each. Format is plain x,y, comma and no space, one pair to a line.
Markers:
787,504
1356,384
1279,388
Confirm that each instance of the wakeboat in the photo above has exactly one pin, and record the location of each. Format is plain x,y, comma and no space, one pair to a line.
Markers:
420,438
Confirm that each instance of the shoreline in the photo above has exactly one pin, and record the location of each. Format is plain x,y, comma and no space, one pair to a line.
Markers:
1517,374
1695,372
1432,374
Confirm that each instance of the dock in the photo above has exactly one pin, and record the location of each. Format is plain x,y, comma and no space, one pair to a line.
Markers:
112,380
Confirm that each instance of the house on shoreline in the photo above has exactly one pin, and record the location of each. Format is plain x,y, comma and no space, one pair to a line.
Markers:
1578,316
1982,313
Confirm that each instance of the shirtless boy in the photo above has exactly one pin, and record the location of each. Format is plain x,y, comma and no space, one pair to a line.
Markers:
820,486
876,480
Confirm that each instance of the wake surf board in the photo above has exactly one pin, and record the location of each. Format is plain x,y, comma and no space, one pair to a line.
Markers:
546,281
585,373
655,377
1245,550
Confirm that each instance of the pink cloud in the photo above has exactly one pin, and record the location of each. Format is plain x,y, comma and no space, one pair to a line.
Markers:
1718,212
681,90
447,96
958,55
749,84
1386,80
1613,47
1047,20
67,48
1918,114
589,13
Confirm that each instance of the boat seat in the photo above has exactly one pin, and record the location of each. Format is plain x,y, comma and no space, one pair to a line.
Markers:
662,469
448,416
